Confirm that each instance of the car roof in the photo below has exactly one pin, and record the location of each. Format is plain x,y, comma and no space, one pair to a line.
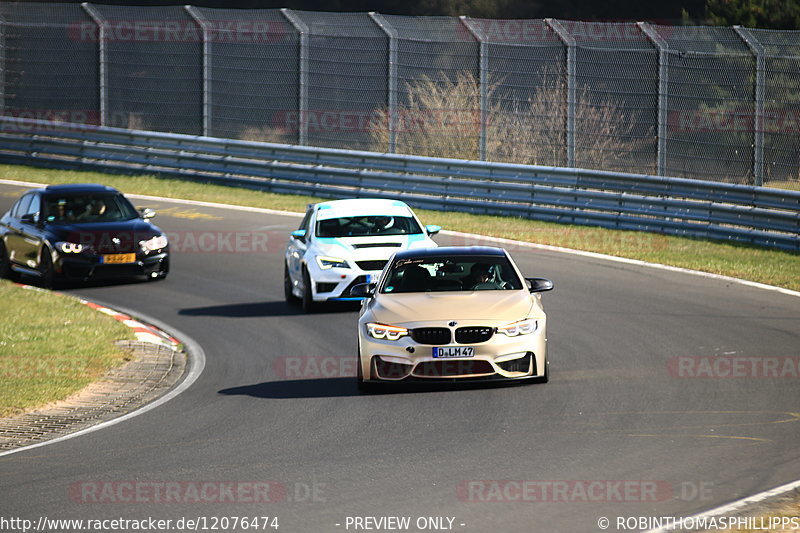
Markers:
361,206
77,188
451,251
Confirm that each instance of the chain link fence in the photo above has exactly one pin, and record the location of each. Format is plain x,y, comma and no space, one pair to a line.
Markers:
689,101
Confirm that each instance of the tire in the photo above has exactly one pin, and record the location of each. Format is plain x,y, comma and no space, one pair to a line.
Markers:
287,287
47,278
364,387
307,303
5,262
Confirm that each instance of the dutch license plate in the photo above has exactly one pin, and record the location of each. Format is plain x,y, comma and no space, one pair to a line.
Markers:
115,259
454,351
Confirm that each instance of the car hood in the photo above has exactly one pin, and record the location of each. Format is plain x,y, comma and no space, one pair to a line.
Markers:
414,309
372,247
103,236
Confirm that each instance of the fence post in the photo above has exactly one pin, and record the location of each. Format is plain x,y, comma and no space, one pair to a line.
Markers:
2,66
663,93
477,33
302,97
204,25
102,55
569,42
391,87
758,117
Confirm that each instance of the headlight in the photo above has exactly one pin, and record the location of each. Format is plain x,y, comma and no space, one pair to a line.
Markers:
329,262
382,331
523,327
156,243
69,247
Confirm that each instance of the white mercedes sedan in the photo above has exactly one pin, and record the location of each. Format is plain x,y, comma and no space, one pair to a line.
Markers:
454,314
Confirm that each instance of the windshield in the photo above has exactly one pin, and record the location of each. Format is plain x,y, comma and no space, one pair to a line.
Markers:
367,225
87,208
458,273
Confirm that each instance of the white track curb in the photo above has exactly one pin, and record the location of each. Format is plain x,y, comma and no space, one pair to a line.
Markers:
145,331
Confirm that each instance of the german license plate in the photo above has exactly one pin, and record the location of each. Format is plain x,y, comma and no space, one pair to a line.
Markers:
454,351
116,259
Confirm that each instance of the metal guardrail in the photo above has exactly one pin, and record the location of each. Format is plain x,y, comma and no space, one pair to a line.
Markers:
677,206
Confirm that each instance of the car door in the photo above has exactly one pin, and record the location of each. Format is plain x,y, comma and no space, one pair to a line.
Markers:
27,239
14,236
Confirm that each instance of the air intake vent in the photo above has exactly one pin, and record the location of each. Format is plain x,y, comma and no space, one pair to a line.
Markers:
473,335
453,368
523,364
431,335
372,265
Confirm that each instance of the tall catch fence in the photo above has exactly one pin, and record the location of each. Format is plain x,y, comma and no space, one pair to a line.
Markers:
711,103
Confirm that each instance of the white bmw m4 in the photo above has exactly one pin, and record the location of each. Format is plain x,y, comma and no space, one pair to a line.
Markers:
454,314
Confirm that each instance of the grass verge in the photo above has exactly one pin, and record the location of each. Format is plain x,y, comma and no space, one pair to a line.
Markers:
51,346
741,261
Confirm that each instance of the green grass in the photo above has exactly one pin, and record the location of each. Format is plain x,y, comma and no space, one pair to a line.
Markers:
793,185
741,261
51,346
747,262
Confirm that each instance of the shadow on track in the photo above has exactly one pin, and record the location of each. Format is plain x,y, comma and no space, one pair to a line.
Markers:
261,309
299,388
343,387
65,285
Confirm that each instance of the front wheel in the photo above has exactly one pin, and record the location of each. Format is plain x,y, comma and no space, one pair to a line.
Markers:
307,302
288,295
47,274
364,387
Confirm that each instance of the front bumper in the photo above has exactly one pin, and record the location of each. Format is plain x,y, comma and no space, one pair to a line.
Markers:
334,284
82,267
501,358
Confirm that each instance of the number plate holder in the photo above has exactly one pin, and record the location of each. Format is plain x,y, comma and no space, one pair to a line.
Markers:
449,352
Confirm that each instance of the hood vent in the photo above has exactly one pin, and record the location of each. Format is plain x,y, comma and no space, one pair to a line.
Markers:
377,245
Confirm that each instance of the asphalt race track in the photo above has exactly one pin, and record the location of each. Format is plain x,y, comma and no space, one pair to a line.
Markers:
631,424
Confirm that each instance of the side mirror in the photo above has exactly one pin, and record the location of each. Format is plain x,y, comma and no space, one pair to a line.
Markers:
147,213
299,234
433,229
29,218
363,290
539,284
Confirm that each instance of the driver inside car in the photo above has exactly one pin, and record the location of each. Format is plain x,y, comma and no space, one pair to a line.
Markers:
480,277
